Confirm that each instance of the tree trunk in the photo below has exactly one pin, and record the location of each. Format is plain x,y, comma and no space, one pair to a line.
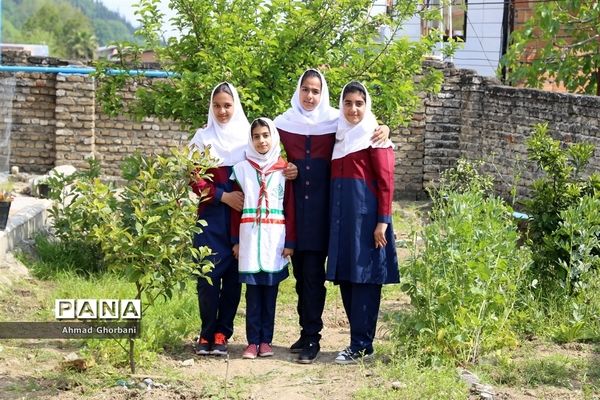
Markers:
131,357
598,82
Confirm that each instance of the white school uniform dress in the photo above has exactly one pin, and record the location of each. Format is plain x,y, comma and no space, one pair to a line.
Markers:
262,224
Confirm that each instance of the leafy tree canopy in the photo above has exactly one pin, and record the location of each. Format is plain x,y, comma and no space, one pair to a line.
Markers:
68,30
561,42
262,47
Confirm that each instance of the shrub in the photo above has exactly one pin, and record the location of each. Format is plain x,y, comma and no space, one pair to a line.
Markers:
571,310
143,230
464,284
561,187
72,225
465,176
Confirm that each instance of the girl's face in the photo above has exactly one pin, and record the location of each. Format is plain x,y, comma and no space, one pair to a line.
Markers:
310,93
354,107
222,106
261,139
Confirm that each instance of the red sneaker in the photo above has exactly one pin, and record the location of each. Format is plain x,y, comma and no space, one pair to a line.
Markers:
265,350
251,352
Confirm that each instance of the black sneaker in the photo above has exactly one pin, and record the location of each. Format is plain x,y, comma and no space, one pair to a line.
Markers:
298,345
347,356
202,347
309,353
220,345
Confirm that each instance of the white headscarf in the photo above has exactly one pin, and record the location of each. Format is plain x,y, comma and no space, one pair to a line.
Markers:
350,138
264,161
320,121
227,141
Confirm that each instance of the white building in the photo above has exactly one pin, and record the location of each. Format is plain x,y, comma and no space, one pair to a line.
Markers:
478,22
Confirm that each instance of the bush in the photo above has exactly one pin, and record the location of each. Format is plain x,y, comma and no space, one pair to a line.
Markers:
560,188
72,225
143,230
570,310
465,176
464,285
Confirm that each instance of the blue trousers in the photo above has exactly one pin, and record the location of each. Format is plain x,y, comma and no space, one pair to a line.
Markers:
261,301
361,302
309,271
219,301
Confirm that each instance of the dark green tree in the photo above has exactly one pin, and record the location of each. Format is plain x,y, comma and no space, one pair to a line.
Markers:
60,26
262,47
82,45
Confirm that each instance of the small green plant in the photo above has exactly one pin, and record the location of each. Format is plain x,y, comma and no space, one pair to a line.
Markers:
72,226
562,186
464,284
143,231
464,176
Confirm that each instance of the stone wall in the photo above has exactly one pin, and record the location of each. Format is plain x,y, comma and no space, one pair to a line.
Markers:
56,120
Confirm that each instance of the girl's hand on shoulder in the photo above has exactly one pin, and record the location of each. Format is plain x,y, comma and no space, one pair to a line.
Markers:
234,200
381,134
287,252
236,250
290,172
379,235
195,175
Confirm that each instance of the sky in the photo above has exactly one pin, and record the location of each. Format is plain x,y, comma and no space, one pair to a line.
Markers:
126,9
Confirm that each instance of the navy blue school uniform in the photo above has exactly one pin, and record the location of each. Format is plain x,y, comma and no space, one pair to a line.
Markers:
218,301
312,155
361,196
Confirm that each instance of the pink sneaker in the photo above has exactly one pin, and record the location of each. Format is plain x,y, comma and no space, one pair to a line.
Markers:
251,352
265,350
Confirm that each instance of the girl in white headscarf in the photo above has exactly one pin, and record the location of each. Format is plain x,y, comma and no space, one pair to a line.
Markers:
362,254
225,138
307,131
263,233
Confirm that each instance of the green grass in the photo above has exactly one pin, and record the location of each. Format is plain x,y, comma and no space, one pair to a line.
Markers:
532,367
53,258
403,378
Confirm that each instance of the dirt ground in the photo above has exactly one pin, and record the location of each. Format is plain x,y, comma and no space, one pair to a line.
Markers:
30,369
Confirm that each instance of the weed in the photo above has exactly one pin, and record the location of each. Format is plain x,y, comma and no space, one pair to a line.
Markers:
464,284
54,256
405,378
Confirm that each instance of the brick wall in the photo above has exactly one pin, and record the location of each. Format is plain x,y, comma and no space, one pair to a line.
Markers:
56,120
479,119
33,121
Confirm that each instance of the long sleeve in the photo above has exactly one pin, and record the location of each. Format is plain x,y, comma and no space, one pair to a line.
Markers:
236,217
207,188
382,161
290,216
